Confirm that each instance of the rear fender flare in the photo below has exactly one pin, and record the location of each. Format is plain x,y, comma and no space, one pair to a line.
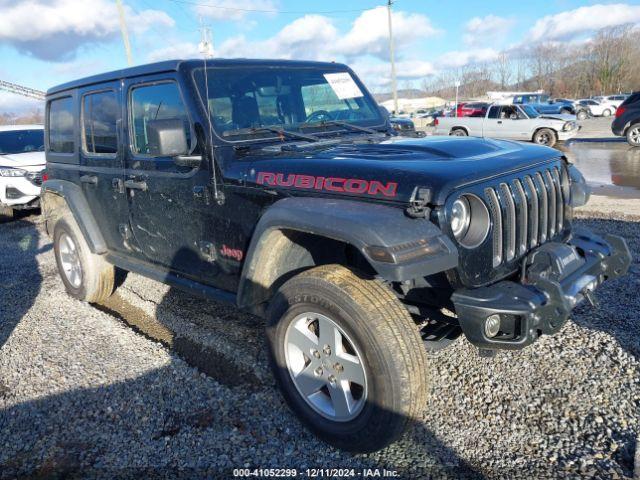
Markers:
55,192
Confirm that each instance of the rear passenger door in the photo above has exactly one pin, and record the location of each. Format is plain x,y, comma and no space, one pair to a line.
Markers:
101,161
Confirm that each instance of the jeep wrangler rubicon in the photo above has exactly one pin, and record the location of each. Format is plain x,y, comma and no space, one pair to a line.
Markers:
279,186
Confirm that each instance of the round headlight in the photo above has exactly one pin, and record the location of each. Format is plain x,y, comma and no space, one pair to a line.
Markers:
460,217
470,222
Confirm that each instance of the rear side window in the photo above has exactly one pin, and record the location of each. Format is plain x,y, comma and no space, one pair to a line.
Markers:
632,99
155,102
99,117
61,126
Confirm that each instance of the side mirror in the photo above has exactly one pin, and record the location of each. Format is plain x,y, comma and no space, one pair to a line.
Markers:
167,138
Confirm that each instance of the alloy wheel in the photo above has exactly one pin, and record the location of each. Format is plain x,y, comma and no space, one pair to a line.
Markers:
326,367
70,260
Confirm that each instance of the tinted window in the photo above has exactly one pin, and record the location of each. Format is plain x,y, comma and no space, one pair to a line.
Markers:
633,98
155,102
494,112
99,115
61,126
21,141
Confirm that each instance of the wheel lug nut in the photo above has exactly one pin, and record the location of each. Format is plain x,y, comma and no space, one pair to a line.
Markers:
318,371
315,353
327,350
338,368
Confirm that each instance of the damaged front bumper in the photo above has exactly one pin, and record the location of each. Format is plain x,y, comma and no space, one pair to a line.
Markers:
556,277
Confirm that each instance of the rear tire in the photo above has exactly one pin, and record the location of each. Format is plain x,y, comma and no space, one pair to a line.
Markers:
86,276
388,358
633,135
545,136
459,132
7,213
565,111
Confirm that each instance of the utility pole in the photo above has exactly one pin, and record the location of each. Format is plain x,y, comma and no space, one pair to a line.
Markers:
125,35
394,86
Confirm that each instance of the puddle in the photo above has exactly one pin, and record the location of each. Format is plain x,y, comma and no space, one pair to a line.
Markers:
610,168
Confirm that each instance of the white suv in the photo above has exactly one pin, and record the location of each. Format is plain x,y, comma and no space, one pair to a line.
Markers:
22,163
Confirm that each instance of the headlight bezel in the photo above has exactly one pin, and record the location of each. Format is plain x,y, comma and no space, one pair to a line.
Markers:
477,227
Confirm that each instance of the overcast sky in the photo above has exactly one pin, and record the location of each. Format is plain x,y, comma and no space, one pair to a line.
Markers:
46,42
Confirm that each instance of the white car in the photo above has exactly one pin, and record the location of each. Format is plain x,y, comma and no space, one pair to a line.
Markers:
598,108
615,100
22,163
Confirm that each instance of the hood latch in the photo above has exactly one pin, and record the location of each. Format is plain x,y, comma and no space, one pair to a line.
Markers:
418,202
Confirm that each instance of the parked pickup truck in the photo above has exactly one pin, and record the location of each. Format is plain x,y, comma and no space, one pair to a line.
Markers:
514,122
281,188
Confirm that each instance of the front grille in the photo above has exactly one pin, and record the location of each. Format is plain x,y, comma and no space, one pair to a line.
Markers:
526,212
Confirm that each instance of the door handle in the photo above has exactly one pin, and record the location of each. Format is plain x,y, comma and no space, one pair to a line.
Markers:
135,185
117,184
500,122
90,179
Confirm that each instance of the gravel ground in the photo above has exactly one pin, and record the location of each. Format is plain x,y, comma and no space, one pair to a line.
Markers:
84,394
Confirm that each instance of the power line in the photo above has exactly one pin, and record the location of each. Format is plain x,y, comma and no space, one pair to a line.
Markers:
21,90
258,10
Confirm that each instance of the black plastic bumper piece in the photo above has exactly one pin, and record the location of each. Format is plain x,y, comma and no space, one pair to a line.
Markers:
557,277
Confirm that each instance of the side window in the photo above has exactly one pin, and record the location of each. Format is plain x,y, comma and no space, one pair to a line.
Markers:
155,102
61,126
99,116
517,99
494,112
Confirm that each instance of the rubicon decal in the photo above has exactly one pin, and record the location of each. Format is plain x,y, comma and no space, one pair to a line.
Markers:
329,184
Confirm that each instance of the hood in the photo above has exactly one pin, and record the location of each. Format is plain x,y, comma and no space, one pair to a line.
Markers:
562,117
392,169
22,160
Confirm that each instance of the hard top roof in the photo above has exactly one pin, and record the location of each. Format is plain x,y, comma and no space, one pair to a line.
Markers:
174,65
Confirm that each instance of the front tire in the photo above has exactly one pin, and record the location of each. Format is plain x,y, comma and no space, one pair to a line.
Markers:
565,111
606,113
7,213
347,356
459,132
633,135
581,115
86,276
545,136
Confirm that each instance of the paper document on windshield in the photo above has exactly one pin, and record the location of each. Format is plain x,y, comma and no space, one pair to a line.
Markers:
343,85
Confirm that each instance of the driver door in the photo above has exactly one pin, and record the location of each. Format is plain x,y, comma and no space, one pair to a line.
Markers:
166,208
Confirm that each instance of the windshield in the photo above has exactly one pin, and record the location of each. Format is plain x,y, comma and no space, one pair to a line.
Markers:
21,141
530,111
291,98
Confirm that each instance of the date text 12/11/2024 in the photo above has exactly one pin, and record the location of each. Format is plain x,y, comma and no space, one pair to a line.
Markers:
315,473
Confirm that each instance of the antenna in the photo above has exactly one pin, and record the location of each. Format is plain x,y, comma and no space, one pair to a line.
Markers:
206,48
125,34
394,85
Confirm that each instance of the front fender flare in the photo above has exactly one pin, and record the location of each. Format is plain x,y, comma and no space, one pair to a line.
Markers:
359,224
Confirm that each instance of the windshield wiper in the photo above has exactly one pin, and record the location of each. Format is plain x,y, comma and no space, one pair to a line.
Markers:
340,123
281,133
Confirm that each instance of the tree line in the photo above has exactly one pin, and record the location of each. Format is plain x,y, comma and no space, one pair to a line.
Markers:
608,63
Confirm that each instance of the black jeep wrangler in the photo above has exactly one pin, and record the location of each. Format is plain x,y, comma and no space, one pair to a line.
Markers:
280,187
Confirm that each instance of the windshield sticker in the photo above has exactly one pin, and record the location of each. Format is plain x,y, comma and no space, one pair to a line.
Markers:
343,85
